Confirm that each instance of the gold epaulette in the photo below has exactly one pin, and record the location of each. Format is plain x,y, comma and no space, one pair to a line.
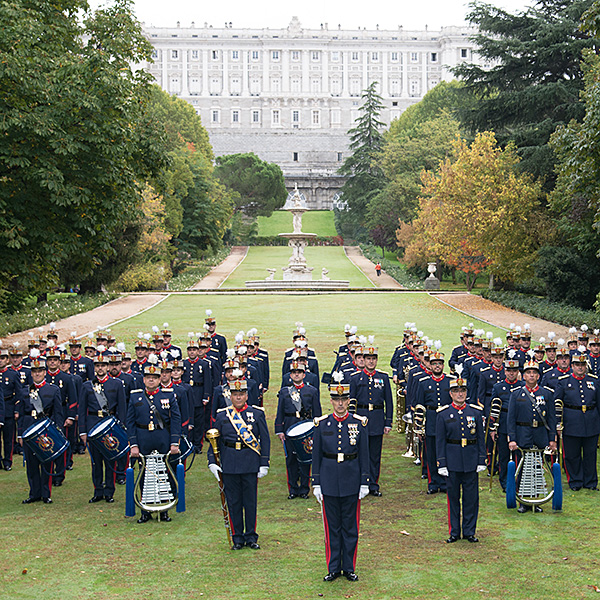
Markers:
477,406
592,375
441,408
565,376
317,420
221,409
362,419
167,390
256,407
486,369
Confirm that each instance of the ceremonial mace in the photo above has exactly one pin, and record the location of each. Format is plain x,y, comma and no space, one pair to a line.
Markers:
212,435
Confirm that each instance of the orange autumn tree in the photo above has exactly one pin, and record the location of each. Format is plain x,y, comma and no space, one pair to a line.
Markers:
478,212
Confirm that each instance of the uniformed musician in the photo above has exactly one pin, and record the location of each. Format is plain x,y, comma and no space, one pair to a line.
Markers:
245,447
580,393
340,476
296,402
373,394
460,457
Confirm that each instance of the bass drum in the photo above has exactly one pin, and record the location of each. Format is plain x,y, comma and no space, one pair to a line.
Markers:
300,437
45,440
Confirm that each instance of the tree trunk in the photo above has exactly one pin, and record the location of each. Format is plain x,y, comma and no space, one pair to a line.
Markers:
491,282
470,281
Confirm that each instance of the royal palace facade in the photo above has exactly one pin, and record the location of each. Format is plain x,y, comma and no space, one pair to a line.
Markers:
290,95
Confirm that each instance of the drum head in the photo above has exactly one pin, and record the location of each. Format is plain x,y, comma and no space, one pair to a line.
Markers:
300,429
35,429
100,428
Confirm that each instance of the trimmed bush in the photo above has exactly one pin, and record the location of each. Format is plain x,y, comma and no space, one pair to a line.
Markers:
542,308
144,277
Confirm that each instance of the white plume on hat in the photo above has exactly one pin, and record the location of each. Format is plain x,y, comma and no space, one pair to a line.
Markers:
153,359
198,334
338,376
551,335
489,335
572,329
242,350
208,312
584,327
301,344
101,348
34,353
121,346
347,327
353,330
237,373
17,344
30,334
498,341
437,344
190,334
527,326
542,340
155,328
531,354
230,353
294,355
51,343
420,333
511,326
511,354
73,334
362,340
165,326
113,350
582,349
371,339
596,331
560,342
146,336
41,329
62,348
52,326
164,355
239,337
175,353
298,324
205,326
140,334
459,369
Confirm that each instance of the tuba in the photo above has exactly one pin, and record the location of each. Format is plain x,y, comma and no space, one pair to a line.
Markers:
159,489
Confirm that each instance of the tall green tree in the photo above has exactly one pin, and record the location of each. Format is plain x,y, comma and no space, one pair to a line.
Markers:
75,140
364,175
533,78
258,187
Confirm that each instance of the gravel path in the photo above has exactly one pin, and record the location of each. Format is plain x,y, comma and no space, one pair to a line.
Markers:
103,316
356,257
217,275
499,315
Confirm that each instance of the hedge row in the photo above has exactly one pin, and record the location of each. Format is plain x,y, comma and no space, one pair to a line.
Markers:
275,240
395,270
542,308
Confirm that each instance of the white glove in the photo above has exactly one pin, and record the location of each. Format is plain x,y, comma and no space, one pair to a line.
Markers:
318,494
215,470
363,492
262,471
481,468
443,471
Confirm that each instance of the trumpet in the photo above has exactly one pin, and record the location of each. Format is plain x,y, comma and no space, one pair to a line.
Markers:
559,406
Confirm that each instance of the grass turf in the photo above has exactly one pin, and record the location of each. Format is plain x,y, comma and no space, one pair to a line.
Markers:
72,549
313,221
261,258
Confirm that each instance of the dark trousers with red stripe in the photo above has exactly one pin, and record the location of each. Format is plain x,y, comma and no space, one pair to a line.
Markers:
197,433
503,454
298,474
8,435
468,484
375,444
434,480
241,491
580,460
341,518
38,475
103,474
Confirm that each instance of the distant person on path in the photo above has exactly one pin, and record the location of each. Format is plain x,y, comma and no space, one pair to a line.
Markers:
378,269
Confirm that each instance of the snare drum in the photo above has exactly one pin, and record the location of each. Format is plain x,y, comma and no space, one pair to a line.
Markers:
300,437
109,438
45,440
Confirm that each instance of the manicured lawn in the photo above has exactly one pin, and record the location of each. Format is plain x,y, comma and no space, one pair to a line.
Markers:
313,221
261,258
80,551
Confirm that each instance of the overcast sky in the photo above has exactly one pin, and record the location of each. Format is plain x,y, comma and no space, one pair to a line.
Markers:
350,14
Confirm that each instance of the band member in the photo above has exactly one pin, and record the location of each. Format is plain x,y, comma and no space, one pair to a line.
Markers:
10,391
503,390
41,400
197,375
218,341
153,422
373,394
580,393
341,473
101,397
460,457
531,419
80,365
296,402
244,446
433,391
